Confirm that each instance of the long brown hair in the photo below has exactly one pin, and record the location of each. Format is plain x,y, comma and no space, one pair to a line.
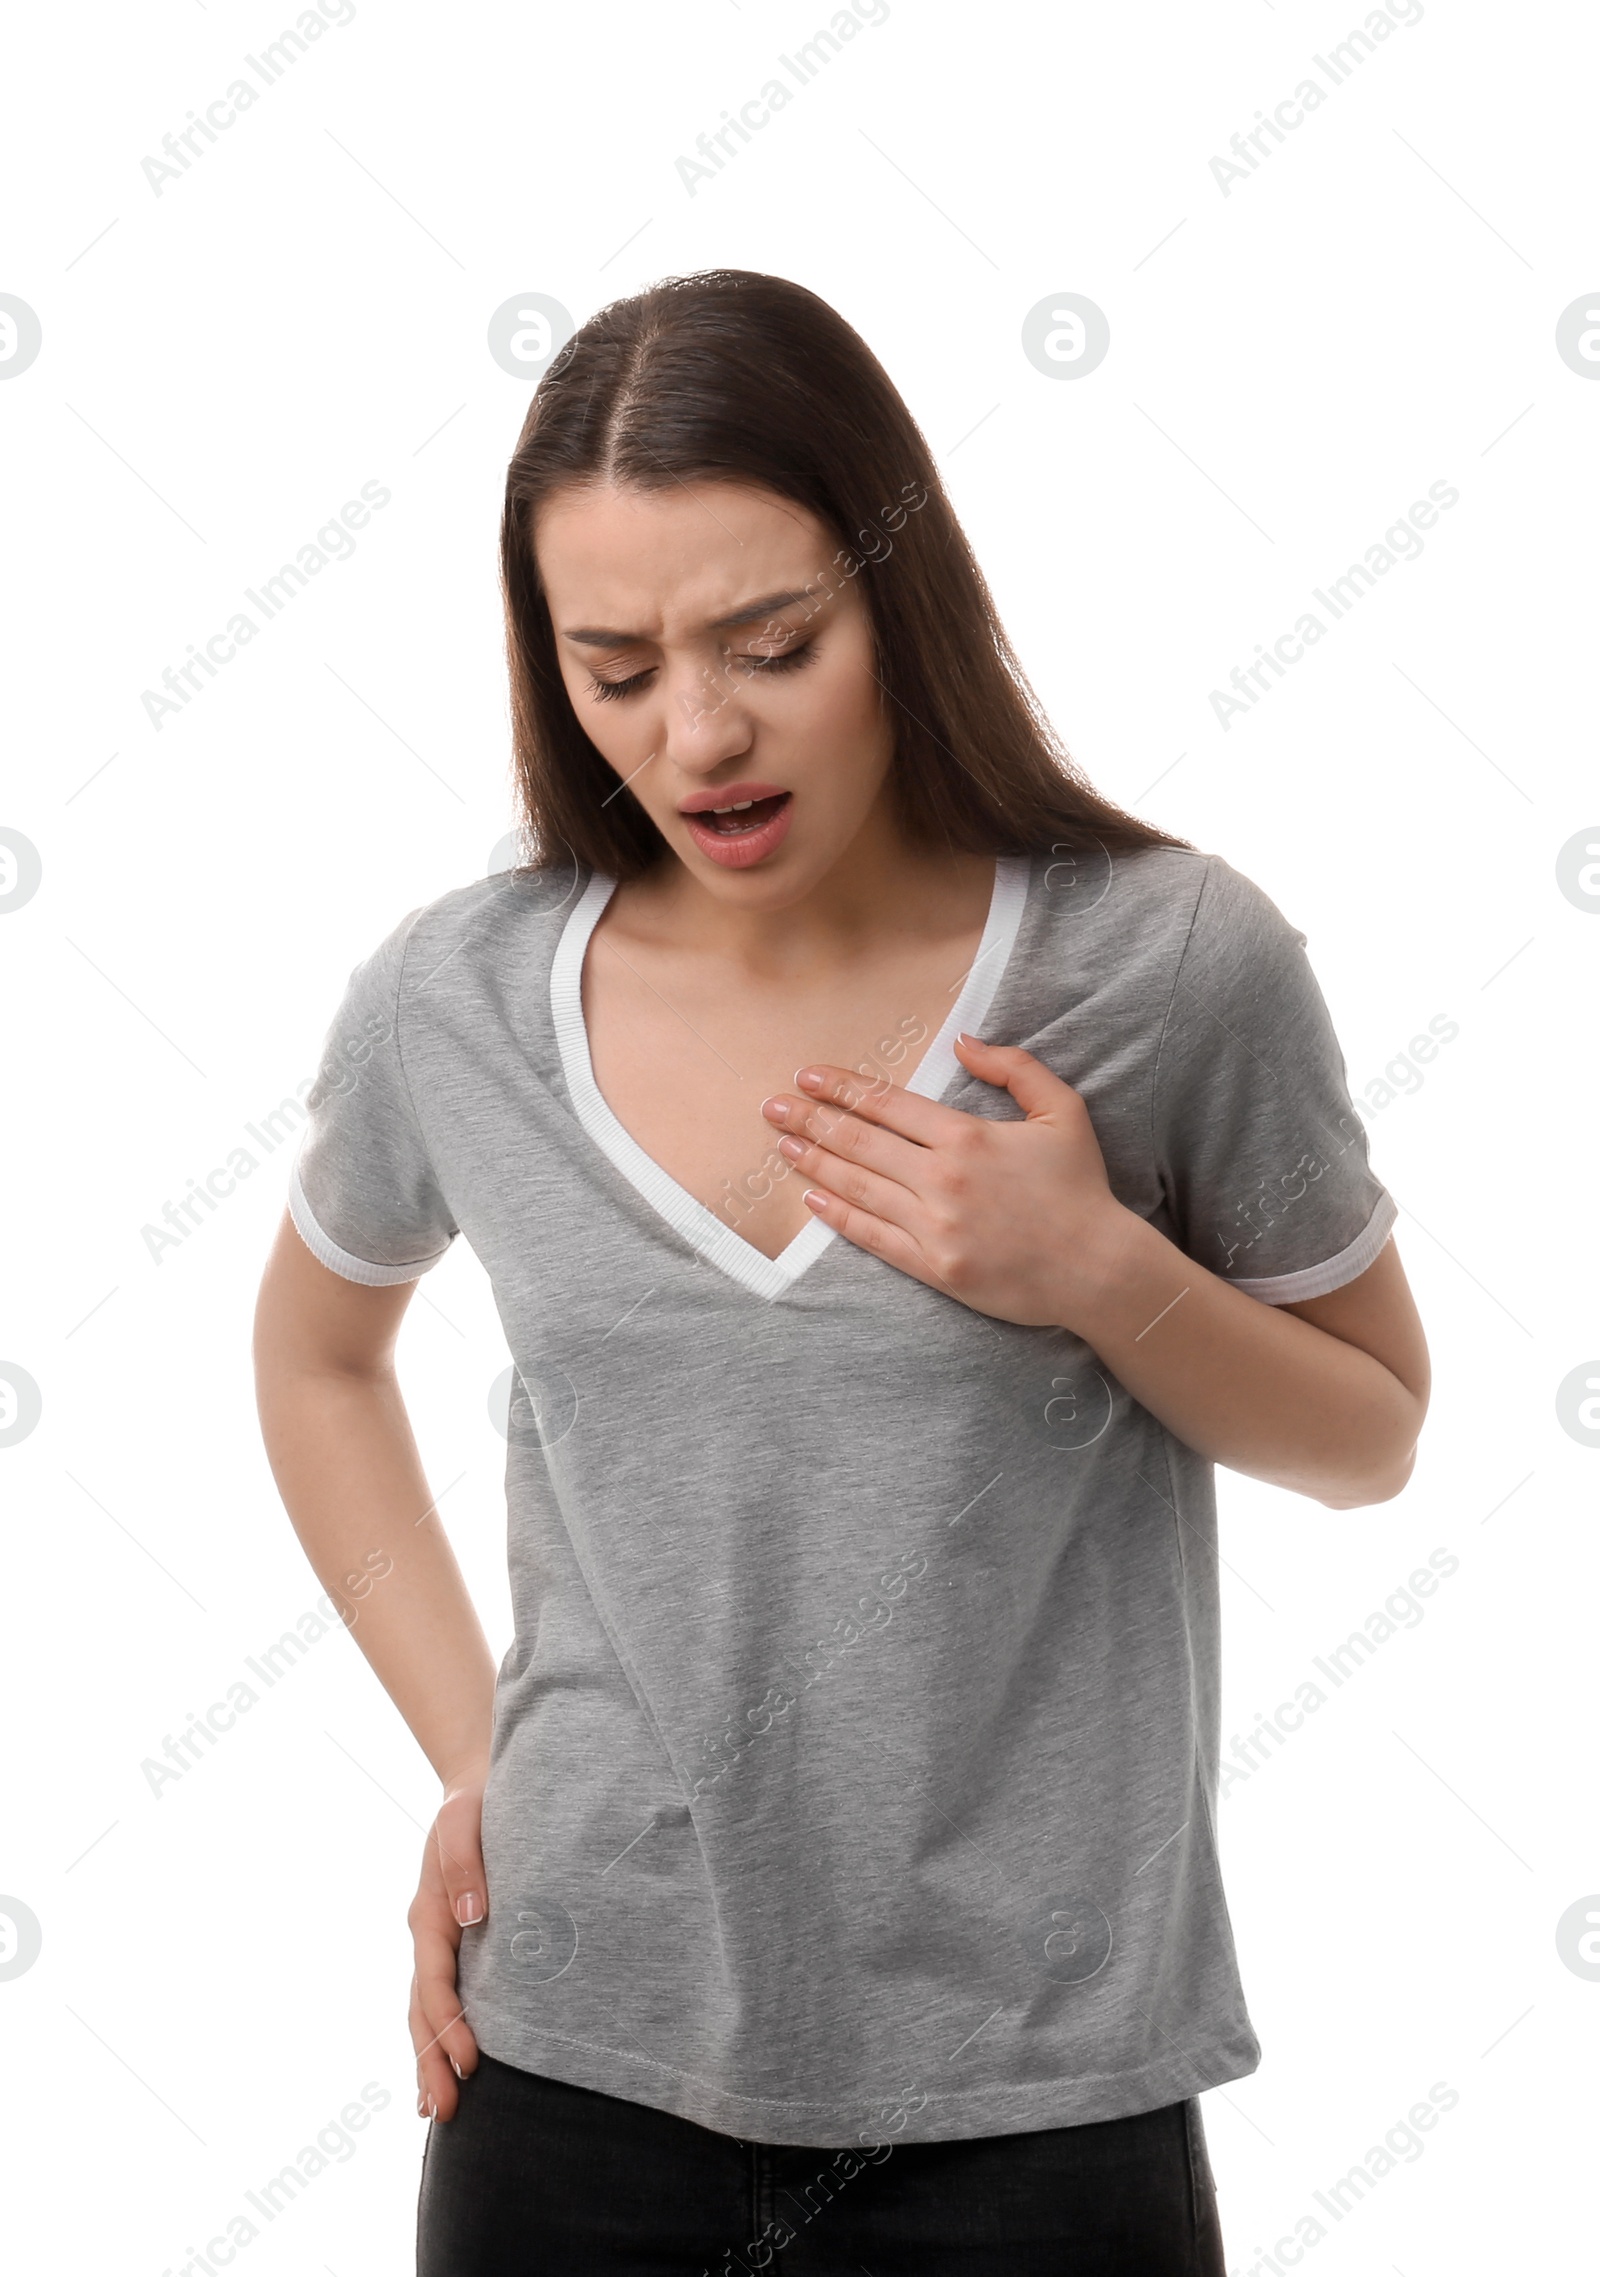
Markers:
732,375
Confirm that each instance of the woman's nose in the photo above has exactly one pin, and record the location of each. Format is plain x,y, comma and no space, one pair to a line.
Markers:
706,721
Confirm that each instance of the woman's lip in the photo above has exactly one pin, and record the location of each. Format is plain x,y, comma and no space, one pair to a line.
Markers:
748,847
731,794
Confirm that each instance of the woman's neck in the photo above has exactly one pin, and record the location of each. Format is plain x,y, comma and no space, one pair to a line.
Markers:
880,889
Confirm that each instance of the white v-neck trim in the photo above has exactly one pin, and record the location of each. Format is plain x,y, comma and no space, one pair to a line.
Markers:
705,1233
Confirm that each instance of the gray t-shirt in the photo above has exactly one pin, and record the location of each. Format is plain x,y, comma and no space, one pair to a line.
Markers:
855,1759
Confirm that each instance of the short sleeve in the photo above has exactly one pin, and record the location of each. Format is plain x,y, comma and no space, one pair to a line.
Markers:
363,1193
1260,1152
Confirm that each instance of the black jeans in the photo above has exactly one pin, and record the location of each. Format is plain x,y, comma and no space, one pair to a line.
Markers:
533,2178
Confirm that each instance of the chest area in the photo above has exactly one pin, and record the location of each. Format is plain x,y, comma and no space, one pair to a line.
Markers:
684,1056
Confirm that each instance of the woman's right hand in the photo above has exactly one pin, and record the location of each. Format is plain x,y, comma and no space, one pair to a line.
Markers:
452,1893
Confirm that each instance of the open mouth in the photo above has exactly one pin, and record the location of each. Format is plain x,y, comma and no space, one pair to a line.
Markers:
744,816
746,830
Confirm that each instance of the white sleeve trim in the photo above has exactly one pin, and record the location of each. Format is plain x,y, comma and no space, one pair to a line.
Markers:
340,1261
1321,1280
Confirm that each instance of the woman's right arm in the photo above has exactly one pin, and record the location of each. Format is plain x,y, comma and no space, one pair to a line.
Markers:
341,1448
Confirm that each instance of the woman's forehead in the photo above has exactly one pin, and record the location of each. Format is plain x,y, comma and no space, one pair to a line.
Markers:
703,556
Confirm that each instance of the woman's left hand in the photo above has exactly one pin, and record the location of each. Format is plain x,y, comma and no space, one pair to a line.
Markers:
1015,1219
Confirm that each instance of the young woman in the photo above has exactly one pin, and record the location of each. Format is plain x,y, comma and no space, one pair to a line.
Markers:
902,1176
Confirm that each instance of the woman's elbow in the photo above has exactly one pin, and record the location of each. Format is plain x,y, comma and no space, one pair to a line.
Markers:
1381,1484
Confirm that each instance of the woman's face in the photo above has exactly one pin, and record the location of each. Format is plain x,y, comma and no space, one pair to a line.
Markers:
717,654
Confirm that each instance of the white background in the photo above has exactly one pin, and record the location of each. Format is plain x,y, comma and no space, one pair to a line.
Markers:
1292,363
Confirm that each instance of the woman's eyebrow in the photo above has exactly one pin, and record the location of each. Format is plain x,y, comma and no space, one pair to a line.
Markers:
753,609
593,636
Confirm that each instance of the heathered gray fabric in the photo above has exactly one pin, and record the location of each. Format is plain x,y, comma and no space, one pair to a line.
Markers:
855,1760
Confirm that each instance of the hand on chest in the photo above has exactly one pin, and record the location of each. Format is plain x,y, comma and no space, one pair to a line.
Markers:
684,1056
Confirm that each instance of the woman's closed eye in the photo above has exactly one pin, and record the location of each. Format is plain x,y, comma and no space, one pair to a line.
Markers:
788,660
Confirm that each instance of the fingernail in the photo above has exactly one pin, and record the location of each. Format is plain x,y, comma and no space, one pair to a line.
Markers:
469,1908
806,1080
456,2068
421,2099
813,1200
792,1147
964,1038
775,1110
433,2108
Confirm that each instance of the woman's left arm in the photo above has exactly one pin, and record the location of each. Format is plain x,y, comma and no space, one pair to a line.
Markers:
1329,1403
1017,1220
